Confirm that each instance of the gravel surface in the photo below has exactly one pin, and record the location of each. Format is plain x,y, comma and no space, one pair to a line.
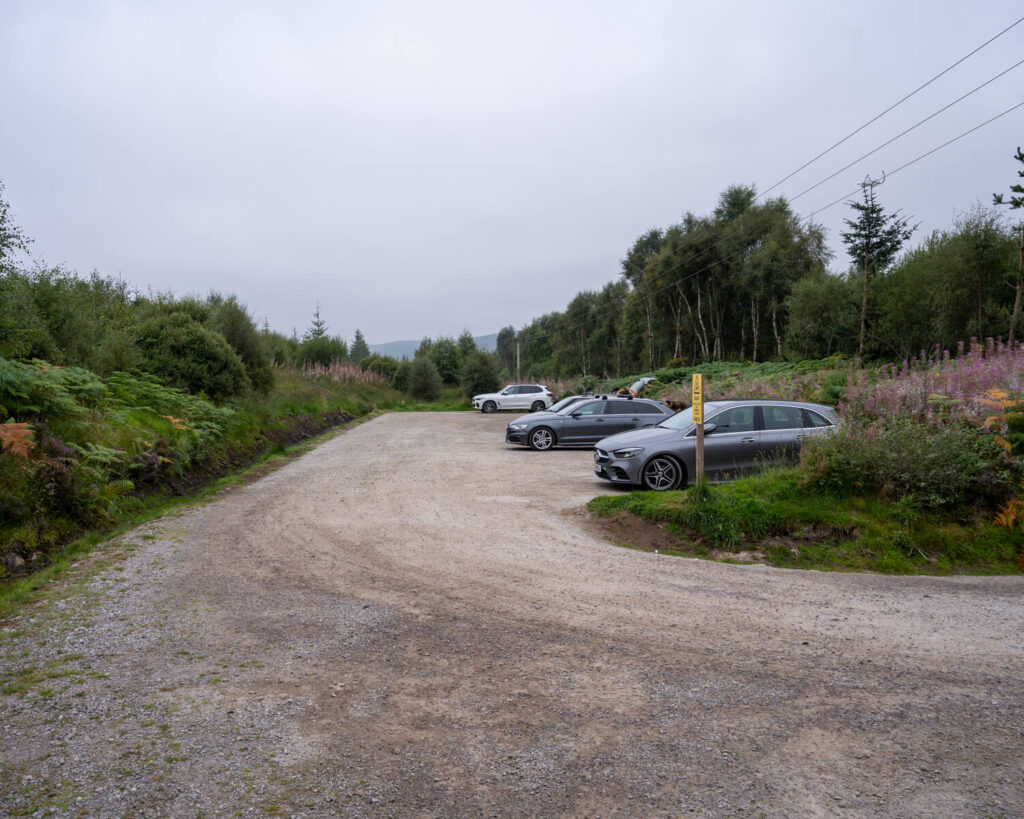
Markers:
412,620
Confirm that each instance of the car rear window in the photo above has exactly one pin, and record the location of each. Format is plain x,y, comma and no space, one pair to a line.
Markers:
814,419
782,418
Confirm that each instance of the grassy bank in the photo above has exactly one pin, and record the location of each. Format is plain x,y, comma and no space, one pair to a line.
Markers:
778,519
84,456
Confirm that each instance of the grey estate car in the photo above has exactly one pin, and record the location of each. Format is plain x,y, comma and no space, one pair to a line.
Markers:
585,422
737,435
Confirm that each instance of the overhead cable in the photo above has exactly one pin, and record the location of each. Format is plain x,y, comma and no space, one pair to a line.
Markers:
894,105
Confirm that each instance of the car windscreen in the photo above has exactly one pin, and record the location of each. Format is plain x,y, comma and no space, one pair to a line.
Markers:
566,402
681,420
684,419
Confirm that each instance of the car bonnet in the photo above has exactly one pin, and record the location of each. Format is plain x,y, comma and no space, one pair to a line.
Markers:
639,437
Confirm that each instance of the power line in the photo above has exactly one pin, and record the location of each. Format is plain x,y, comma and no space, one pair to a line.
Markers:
894,105
907,131
926,154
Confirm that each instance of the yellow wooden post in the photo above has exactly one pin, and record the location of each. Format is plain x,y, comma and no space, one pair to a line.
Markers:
697,392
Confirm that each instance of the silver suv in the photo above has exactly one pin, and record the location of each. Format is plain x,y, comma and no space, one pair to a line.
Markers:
532,397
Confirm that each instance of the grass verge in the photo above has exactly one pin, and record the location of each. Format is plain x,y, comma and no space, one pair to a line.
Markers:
772,518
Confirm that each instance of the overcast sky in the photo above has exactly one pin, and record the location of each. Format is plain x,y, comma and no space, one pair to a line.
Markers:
423,167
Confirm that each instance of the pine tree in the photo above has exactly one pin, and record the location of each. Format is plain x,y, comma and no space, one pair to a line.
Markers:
360,349
873,241
1015,203
318,329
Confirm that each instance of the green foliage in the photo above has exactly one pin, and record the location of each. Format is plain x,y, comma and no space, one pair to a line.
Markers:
188,356
360,349
823,315
28,391
424,379
400,380
875,237
708,288
232,321
1016,201
905,459
12,238
282,349
467,344
445,354
321,350
383,365
318,329
479,374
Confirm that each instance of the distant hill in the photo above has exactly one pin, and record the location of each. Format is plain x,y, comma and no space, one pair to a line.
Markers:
406,349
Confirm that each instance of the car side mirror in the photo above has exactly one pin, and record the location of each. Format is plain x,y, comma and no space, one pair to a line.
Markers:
575,414
709,428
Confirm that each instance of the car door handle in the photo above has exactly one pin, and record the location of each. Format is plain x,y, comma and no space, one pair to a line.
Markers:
747,440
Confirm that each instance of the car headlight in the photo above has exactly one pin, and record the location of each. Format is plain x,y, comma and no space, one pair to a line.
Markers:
518,426
628,452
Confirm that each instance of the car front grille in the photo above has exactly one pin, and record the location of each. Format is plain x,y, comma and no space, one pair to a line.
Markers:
601,457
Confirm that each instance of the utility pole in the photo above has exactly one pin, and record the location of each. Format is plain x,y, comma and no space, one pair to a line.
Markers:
1017,288
517,358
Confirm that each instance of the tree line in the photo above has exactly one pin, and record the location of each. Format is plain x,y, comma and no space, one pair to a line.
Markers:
751,281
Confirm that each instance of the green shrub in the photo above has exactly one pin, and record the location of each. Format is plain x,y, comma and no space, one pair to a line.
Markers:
400,380
321,350
232,321
479,374
424,380
191,357
904,458
383,365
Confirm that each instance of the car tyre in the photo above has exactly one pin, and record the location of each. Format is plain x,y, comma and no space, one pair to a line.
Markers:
542,438
536,406
489,407
662,473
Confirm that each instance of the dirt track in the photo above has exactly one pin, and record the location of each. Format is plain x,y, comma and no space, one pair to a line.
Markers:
411,621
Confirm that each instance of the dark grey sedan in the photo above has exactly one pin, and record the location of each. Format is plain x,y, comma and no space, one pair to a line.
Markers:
737,436
585,422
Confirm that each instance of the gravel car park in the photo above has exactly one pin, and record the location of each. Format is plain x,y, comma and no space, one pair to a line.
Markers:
738,435
585,421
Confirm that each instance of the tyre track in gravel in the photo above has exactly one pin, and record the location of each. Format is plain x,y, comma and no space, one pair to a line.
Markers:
411,620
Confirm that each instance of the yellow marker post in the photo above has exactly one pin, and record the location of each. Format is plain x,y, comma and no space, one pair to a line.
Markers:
697,393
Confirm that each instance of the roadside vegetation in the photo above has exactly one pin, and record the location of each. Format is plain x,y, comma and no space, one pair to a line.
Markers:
923,476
